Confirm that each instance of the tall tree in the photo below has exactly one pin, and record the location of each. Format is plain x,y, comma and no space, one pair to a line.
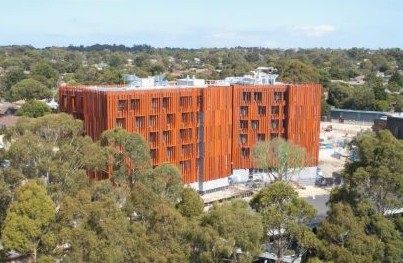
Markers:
166,181
240,227
129,152
28,219
377,176
280,158
29,89
190,205
345,239
285,217
34,109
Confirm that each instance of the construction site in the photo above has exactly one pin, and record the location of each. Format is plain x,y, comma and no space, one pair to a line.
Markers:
333,154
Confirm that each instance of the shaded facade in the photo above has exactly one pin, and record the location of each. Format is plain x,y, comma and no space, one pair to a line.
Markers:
394,124
207,131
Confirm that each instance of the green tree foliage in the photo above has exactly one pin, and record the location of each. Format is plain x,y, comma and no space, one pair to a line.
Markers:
295,71
190,204
129,152
362,98
280,158
339,93
285,218
29,89
376,178
398,107
13,77
396,78
360,226
325,108
34,109
166,182
376,84
240,227
28,219
345,239
45,70
52,147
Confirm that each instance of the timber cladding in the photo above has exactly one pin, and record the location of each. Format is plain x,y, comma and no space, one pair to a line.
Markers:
205,131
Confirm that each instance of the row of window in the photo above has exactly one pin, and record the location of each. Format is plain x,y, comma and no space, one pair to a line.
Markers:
243,138
184,101
188,117
140,121
184,135
184,165
243,124
257,96
170,151
244,110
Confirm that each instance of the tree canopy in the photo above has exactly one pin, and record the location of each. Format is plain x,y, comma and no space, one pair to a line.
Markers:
280,158
34,109
29,89
28,219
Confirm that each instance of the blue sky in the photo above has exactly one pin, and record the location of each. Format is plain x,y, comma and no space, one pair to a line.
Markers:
207,23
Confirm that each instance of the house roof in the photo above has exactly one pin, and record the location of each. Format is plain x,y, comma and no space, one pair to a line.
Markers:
5,106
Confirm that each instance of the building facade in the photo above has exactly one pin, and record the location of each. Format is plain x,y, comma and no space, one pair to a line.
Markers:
206,130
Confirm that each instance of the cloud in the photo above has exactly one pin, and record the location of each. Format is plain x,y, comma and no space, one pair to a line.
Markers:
313,31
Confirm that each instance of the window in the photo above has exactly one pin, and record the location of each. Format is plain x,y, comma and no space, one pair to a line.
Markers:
154,103
246,96
245,152
185,134
166,136
261,137
121,105
274,124
275,110
119,123
278,95
135,104
243,124
165,102
243,138
244,110
170,151
185,165
170,119
187,149
153,120
262,110
257,96
185,101
184,117
187,117
153,137
153,153
140,121
255,124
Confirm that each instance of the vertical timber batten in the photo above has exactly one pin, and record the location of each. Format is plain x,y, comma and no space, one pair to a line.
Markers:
206,131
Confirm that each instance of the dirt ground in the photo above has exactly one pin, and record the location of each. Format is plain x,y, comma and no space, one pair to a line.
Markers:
332,159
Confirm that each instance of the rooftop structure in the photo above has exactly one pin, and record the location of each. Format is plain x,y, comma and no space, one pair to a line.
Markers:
207,130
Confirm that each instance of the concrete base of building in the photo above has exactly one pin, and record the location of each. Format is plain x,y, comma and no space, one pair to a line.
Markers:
210,186
305,177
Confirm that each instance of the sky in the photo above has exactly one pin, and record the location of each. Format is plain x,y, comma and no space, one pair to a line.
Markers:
203,23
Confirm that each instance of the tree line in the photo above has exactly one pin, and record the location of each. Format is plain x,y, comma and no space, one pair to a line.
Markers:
30,73
51,211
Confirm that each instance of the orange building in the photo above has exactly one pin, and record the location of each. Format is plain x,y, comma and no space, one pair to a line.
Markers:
207,131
